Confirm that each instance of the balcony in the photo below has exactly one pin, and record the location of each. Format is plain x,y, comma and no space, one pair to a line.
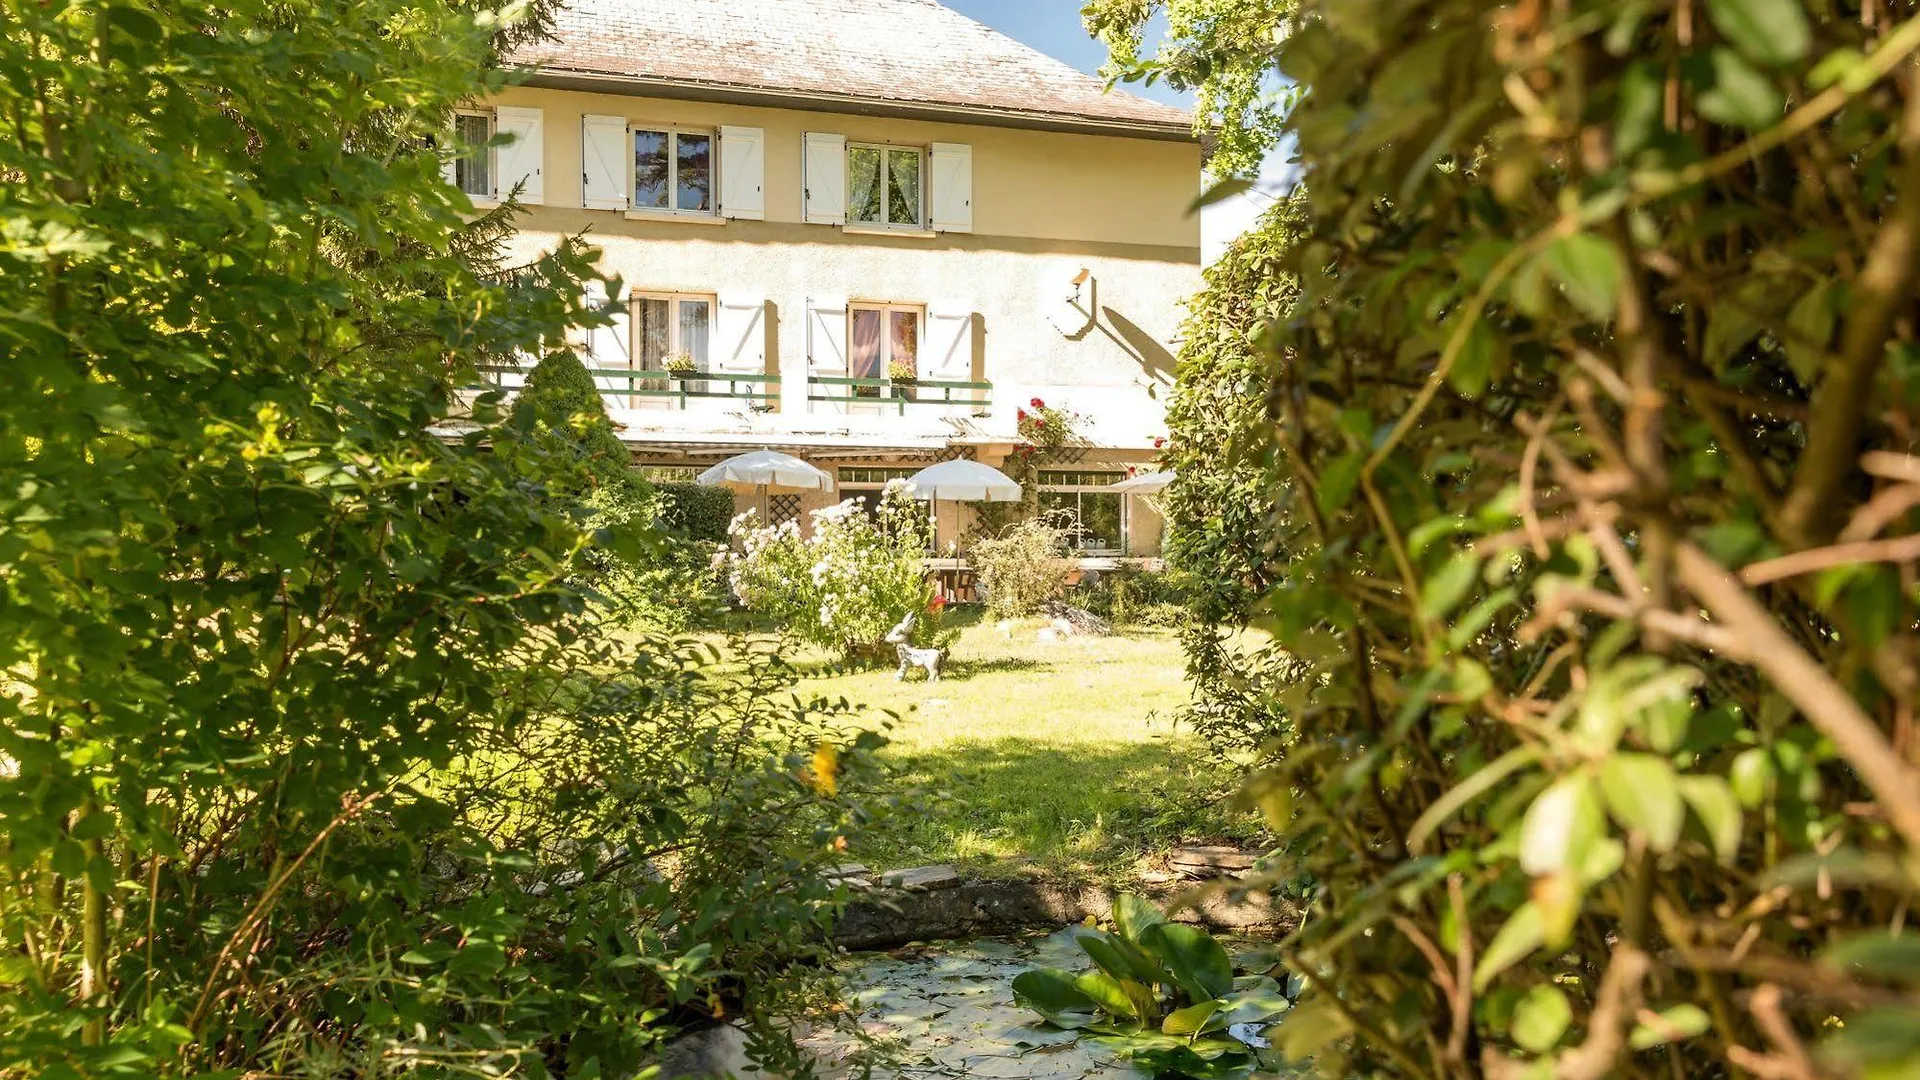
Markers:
943,397
680,391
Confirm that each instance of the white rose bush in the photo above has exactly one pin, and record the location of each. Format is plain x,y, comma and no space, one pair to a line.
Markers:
845,582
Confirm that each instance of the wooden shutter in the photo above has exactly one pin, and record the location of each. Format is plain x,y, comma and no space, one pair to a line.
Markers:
741,334
825,166
951,180
743,173
827,349
947,354
604,162
610,346
521,159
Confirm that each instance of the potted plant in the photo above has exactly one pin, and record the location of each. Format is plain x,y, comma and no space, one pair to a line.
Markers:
903,375
677,363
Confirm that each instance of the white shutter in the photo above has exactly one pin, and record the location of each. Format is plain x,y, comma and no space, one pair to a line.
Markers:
741,334
951,178
826,355
603,162
521,159
743,172
825,165
610,346
948,353
443,145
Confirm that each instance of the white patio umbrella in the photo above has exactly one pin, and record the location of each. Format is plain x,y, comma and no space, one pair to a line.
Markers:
1143,484
765,471
963,481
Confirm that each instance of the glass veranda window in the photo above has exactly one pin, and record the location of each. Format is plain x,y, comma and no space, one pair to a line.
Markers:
884,185
1096,516
673,171
473,169
884,343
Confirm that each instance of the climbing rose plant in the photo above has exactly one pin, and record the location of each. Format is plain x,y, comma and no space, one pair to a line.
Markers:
1587,445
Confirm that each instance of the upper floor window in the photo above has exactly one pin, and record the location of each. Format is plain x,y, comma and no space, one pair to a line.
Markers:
673,170
473,165
883,342
885,185
672,332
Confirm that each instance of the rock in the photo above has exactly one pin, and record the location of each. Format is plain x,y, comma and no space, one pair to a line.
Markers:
718,1051
1063,628
922,878
1047,634
1080,620
1210,861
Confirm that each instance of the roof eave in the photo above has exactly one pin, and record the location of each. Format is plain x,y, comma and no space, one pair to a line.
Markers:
602,82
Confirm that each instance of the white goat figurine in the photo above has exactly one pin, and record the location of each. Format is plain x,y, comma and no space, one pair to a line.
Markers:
910,657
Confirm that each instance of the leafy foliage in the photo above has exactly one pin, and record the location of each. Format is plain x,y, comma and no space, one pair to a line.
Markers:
847,581
1587,468
314,759
1163,995
1045,432
695,512
1024,567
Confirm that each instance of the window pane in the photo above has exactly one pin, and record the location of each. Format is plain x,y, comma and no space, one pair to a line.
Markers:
470,171
650,334
650,169
1100,520
695,178
904,361
863,358
694,317
903,187
863,184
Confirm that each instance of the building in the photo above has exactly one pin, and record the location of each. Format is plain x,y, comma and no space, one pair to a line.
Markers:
865,232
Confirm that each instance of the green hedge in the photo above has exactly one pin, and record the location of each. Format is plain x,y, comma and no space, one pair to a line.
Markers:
698,513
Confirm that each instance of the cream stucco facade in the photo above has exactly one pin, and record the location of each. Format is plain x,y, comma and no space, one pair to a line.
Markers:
1067,284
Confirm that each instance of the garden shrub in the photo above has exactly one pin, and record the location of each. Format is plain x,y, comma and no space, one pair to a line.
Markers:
696,512
1023,568
315,758
1587,453
846,582
1130,596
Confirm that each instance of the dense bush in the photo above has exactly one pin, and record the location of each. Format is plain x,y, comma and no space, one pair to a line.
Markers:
314,760
1024,567
695,512
1130,596
1588,453
846,582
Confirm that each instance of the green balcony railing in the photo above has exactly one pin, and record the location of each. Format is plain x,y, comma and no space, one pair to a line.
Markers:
900,393
683,387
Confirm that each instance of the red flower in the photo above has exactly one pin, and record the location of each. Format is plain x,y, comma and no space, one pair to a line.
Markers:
1037,403
1022,415
1159,443
938,603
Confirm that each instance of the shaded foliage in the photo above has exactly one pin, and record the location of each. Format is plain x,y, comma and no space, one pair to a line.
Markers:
1589,457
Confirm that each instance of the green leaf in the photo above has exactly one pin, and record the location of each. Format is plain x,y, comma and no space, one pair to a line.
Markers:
1588,269
1643,795
1714,804
1255,1005
1769,31
1119,997
1809,329
1338,480
1443,590
1119,957
1878,956
1198,963
1133,914
1473,366
1521,934
1676,1023
1749,775
1193,1019
1053,994
1541,1018
1468,790
1220,191
1641,109
1739,94
1561,826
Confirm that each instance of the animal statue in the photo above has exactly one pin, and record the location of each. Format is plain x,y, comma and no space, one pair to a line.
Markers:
930,659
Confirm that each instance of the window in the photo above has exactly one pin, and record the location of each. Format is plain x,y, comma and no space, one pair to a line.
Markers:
864,485
672,332
883,342
1098,517
884,186
473,168
673,171
669,474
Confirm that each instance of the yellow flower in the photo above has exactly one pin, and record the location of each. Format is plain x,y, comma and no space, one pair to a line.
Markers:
825,772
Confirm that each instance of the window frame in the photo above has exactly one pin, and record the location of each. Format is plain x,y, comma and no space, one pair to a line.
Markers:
885,309
673,133
486,150
886,167
674,299
1080,485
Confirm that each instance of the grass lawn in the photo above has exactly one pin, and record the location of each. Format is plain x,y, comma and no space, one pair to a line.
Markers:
1057,756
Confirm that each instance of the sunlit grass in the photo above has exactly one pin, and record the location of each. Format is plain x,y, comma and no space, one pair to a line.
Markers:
1057,756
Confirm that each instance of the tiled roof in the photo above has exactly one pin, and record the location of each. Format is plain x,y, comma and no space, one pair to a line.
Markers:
902,53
